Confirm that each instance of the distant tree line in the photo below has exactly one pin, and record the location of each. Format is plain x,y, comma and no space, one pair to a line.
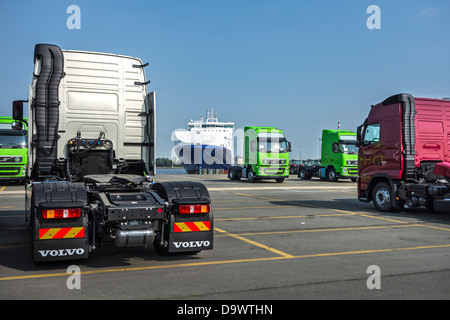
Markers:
165,162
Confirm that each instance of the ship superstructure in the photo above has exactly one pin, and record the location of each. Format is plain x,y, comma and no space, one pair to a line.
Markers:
206,144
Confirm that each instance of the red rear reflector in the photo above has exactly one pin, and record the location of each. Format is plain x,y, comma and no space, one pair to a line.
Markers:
61,213
194,208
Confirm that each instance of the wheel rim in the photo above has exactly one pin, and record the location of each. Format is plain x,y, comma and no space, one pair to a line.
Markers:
331,175
383,197
250,175
302,173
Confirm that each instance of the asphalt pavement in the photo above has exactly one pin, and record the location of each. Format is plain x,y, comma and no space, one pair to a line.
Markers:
297,240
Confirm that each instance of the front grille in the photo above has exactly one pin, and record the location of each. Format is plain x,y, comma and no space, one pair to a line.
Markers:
273,171
352,171
9,171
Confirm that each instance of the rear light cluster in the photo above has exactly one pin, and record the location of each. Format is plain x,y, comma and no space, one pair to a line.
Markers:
194,208
61,213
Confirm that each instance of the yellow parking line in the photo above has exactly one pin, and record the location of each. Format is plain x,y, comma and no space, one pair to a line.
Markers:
208,263
323,230
281,253
262,207
2,188
285,217
431,227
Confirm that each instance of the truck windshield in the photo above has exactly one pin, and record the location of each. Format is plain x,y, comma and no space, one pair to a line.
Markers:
349,148
13,139
269,145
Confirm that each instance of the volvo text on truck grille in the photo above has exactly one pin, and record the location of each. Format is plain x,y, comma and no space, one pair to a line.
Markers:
91,153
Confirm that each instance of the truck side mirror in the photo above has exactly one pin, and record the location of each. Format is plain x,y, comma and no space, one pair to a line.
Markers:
289,146
358,136
17,111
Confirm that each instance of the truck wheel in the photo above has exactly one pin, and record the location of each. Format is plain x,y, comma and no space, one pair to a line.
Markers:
250,175
233,175
302,174
331,175
382,197
279,180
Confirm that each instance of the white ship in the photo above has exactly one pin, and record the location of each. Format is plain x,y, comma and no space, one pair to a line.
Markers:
207,144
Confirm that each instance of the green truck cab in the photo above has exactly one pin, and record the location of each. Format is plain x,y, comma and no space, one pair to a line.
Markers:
339,155
266,155
339,158
13,151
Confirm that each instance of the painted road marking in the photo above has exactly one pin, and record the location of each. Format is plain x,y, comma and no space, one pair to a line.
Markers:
209,263
281,253
284,217
323,230
283,188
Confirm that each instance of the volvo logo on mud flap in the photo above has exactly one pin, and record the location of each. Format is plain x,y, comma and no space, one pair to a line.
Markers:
191,244
61,252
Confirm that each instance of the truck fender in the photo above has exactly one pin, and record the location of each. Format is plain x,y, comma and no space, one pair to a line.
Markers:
193,191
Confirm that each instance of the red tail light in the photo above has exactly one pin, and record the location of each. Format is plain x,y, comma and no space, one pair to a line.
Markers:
61,213
194,208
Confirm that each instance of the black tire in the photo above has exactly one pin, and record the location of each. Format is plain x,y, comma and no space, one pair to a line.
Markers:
382,197
250,175
302,174
279,180
331,175
233,175
292,170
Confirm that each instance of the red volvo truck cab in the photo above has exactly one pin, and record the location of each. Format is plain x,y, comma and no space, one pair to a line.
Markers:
404,158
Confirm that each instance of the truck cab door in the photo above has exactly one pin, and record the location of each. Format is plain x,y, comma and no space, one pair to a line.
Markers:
369,158
391,147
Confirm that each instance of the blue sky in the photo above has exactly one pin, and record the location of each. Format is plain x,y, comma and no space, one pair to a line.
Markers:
302,66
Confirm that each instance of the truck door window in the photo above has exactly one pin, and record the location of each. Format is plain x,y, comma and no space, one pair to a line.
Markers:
372,134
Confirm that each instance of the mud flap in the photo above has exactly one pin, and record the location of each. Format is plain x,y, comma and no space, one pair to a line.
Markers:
59,239
60,249
183,237
185,232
